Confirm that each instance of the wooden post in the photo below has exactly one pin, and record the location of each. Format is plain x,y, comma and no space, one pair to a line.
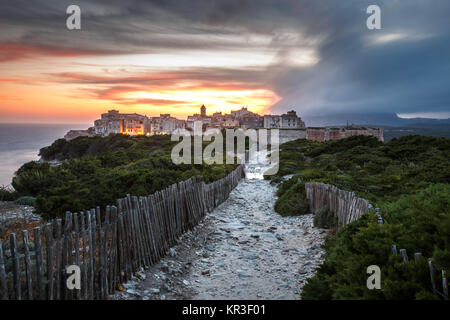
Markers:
58,252
444,285
85,287
98,215
93,251
105,253
404,255
49,251
101,260
77,247
3,282
417,256
29,275
39,263
16,267
123,249
91,255
114,247
66,253
432,273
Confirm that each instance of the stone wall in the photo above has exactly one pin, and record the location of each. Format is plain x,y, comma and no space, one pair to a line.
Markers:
321,134
286,135
346,205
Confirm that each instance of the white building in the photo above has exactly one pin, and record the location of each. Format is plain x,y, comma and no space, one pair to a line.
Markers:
290,120
165,124
115,122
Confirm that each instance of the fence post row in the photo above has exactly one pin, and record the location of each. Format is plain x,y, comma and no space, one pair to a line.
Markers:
132,235
432,269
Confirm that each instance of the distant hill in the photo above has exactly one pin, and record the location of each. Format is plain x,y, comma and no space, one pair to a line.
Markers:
375,119
394,126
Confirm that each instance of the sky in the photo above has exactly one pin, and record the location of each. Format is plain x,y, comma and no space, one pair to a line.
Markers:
151,57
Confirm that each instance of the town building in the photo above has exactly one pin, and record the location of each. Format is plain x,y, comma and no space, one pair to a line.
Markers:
206,121
290,126
165,124
321,134
271,121
125,123
290,120
237,114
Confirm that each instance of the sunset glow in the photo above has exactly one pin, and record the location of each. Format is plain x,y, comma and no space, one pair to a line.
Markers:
76,89
158,57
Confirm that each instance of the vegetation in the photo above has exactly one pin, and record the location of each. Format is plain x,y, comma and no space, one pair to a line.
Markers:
96,171
325,218
408,178
374,170
7,195
292,198
26,201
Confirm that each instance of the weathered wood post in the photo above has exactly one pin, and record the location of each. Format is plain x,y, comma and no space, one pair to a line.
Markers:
39,263
432,274
27,265
394,249
417,256
3,282
404,255
16,266
444,285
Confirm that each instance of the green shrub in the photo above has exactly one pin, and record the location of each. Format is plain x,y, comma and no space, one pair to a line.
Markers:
7,194
96,171
292,200
325,218
408,178
26,201
418,223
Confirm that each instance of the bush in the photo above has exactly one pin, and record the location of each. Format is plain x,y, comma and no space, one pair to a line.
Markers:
418,223
96,171
7,194
26,201
325,218
292,200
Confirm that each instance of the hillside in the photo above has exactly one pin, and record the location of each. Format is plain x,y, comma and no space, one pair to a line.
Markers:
408,178
95,171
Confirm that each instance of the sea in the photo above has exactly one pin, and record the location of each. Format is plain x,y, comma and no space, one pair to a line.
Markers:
20,143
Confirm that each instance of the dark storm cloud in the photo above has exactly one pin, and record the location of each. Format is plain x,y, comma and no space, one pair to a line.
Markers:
405,67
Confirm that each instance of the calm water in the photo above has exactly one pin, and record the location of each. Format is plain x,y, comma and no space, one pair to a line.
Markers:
20,143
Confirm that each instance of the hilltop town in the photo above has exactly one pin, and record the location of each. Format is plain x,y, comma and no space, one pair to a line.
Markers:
291,126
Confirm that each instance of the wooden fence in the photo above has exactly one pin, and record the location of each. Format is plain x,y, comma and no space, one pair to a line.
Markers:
108,245
345,204
348,207
435,276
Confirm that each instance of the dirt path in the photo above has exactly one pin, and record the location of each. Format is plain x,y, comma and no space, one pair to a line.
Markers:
242,250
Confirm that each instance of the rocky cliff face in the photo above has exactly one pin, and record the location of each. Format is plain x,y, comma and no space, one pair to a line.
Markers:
72,134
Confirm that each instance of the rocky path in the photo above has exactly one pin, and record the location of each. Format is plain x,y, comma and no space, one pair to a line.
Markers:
242,250
16,217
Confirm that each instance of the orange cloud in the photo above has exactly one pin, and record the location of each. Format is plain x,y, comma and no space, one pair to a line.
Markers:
10,79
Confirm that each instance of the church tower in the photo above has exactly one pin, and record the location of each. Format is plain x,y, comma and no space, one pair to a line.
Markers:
203,111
